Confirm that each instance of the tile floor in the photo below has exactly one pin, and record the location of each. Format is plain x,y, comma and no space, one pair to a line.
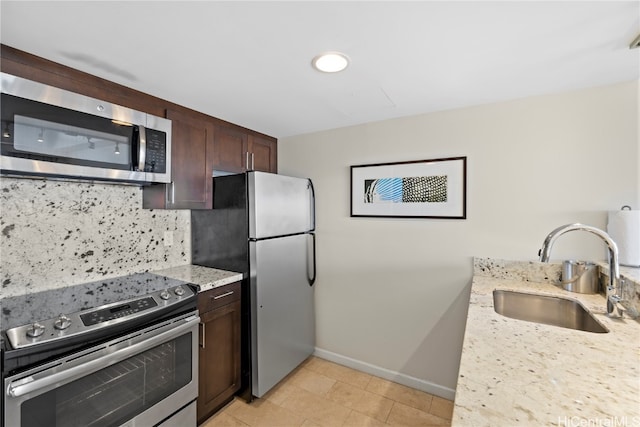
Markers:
322,393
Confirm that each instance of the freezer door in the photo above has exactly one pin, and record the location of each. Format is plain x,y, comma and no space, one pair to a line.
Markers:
279,205
282,308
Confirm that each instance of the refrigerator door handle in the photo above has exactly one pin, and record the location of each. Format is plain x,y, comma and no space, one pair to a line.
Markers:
312,280
313,206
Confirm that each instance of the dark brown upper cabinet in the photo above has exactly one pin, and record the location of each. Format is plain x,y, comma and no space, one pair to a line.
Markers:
230,150
200,143
191,171
263,154
200,149
236,151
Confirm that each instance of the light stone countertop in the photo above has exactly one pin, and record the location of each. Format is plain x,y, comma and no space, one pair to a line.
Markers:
206,278
514,372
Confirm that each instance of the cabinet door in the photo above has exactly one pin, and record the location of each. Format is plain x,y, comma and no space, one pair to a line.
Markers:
230,149
219,358
235,151
264,156
191,171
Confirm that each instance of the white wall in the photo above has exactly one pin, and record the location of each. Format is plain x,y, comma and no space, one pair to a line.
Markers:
392,294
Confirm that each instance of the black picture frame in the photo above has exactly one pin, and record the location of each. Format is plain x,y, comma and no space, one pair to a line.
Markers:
432,188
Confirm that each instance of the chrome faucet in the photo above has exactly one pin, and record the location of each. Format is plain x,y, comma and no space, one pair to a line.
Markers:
614,308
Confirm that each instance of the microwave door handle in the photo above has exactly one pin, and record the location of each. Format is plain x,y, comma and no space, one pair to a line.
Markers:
142,148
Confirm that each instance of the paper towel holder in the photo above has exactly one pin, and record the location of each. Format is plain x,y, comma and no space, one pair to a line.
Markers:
622,226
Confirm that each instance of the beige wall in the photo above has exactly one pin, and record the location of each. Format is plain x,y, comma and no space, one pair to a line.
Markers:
391,294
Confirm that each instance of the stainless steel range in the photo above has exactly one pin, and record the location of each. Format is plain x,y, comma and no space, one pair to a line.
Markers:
116,352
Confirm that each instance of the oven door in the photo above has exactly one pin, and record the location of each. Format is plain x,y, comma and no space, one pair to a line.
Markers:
140,379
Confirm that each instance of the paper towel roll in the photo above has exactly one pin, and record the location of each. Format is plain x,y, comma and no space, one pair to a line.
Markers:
624,229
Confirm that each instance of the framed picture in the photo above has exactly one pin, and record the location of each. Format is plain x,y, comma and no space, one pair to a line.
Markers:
435,188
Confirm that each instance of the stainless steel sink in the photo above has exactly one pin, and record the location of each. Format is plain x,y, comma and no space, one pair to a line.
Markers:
556,311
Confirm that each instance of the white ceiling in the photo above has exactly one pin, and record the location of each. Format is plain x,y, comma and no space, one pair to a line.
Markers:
250,62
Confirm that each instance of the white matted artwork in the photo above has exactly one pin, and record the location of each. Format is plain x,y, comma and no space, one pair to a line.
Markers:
435,188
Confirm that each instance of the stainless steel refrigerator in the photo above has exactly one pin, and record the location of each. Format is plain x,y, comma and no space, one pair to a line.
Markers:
263,225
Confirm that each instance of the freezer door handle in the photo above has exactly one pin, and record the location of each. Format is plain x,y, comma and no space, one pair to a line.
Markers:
313,206
312,280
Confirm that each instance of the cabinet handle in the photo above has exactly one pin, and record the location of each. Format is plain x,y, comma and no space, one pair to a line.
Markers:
223,295
171,193
202,326
253,164
249,164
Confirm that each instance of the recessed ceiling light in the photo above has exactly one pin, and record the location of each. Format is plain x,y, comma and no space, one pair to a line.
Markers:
330,62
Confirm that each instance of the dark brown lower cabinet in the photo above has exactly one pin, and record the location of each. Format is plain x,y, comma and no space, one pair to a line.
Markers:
219,354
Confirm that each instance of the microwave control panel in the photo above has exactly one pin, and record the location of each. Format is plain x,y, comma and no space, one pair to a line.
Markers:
156,157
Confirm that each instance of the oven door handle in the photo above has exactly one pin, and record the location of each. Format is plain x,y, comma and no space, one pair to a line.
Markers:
22,387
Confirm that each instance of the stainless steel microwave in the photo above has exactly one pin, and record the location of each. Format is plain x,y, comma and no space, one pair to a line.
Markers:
51,132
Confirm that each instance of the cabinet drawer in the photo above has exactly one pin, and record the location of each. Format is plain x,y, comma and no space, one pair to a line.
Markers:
218,297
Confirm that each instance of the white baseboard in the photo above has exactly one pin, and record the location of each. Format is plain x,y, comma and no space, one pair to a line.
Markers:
387,374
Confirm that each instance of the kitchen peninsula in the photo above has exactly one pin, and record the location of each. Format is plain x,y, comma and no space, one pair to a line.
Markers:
514,372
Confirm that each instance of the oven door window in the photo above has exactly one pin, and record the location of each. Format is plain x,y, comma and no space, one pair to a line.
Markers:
116,394
37,131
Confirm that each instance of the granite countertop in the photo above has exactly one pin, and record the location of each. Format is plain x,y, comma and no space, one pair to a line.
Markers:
514,372
206,278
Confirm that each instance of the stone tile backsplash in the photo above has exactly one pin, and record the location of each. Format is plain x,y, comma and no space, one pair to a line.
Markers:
527,271
55,233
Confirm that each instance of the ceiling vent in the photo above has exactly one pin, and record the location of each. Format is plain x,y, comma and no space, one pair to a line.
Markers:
635,43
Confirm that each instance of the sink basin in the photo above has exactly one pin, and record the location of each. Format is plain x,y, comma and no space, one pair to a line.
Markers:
556,311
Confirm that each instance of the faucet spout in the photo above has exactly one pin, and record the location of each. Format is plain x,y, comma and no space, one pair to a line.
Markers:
614,266
545,252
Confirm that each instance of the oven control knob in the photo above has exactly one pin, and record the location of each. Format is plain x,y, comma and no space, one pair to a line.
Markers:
165,295
179,291
62,322
35,330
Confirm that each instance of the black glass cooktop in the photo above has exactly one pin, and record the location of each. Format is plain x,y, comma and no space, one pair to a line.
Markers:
29,308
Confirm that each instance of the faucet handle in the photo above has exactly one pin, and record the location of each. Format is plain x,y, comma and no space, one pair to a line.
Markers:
614,306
